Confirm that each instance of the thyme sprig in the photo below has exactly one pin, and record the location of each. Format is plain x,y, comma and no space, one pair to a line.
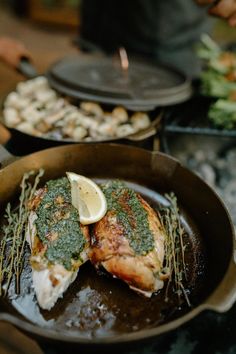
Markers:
13,234
174,264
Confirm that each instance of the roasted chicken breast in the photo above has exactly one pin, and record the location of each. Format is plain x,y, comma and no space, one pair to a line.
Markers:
59,243
129,240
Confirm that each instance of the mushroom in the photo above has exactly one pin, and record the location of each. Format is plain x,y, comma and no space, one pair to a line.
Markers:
79,133
120,114
92,108
45,96
43,127
54,117
25,88
107,130
67,129
124,130
39,110
40,82
11,117
27,128
58,104
14,100
140,120
32,115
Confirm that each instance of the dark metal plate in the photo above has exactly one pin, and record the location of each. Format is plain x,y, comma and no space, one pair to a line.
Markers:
122,315
102,79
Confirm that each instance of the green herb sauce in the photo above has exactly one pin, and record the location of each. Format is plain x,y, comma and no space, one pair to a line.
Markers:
57,216
131,214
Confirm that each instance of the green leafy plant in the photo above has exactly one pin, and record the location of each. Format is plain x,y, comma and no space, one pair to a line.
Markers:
218,80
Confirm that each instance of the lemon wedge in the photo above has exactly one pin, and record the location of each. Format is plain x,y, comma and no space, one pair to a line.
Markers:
87,198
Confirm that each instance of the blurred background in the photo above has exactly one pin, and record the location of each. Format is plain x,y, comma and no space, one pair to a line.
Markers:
50,30
49,27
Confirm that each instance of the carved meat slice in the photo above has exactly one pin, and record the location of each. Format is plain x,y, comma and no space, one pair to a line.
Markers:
59,243
129,241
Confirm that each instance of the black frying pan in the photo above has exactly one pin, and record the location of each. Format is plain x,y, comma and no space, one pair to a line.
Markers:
26,143
98,310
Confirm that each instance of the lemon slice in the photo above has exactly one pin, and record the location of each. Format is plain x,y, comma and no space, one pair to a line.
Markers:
87,198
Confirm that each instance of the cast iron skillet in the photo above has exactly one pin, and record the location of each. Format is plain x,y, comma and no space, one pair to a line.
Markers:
98,310
29,143
26,143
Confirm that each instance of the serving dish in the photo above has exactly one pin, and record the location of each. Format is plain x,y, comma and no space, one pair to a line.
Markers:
143,87
204,216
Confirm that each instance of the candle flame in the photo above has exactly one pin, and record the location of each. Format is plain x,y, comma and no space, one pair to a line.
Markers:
124,58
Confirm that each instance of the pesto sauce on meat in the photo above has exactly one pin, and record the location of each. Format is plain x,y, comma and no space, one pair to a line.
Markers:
130,213
58,224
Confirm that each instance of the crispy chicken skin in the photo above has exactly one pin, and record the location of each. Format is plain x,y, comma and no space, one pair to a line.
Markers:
52,273
114,251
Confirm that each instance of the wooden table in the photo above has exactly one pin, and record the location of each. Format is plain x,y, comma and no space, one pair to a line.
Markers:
4,136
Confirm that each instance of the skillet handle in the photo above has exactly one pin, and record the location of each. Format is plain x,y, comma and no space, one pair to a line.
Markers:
5,157
149,132
225,295
26,68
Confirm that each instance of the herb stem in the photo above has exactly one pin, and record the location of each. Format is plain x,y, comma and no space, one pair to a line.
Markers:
13,234
174,247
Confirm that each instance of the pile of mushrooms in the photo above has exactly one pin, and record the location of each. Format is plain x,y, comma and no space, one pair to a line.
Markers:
36,109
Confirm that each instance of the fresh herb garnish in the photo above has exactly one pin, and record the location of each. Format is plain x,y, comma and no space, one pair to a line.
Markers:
13,234
174,264
131,214
56,215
